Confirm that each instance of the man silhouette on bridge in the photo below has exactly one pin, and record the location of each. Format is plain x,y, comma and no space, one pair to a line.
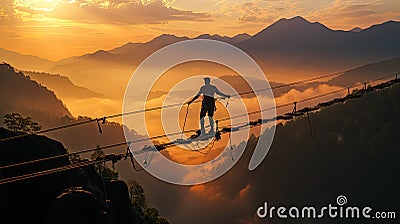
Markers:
208,104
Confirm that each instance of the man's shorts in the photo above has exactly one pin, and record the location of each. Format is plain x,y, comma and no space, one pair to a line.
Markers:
207,109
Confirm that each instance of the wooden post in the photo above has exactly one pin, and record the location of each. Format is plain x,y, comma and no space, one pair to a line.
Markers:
295,108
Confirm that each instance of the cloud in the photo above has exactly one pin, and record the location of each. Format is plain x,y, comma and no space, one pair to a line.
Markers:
225,200
343,9
6,8
258,11
254,19
254,12
347,14
7,14
124,12
337,14
296,95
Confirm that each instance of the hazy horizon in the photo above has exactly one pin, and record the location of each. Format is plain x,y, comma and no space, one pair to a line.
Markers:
310,92
43,28
149,39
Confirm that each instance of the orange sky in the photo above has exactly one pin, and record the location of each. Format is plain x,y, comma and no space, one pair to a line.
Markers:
56,29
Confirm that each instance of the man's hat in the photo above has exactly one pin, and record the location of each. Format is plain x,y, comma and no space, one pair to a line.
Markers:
206,78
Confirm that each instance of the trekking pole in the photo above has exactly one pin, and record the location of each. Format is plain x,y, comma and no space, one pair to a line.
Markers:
184,122
227,102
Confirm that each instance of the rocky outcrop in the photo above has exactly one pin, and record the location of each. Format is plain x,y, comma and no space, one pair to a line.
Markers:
73,196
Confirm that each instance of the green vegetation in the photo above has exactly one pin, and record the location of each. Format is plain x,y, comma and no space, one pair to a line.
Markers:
16,122
101,168
143,213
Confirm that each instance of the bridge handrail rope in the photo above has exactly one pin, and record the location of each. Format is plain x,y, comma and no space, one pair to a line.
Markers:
224,130
104,118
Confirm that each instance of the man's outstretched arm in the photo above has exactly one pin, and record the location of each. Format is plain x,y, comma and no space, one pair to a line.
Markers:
194,98
221,94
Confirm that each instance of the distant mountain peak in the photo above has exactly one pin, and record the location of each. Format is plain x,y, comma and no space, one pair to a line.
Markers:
98,55
231,40
166,35
356,30
167,38
298,19
124,48
287,27
101,52
203,36
293,20
208,36
243,35
384,24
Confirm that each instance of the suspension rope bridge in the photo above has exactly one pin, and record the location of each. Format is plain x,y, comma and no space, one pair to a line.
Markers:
224,130
170,134
104,118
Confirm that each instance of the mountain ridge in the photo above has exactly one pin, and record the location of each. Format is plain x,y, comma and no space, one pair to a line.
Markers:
288,48
367,72
20,60
284,37
308,48
61,85
20,93
294,21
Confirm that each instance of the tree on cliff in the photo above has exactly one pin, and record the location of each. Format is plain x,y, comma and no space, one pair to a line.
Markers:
101,168
143,213
16,122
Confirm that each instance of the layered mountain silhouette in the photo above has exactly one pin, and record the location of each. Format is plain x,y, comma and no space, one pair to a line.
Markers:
355,142
231,40
61,85
296,46
367,72
25,96
288,47
285,50
20,93
26,62
129,54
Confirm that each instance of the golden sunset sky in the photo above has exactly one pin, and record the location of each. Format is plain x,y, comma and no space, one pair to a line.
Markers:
56,29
